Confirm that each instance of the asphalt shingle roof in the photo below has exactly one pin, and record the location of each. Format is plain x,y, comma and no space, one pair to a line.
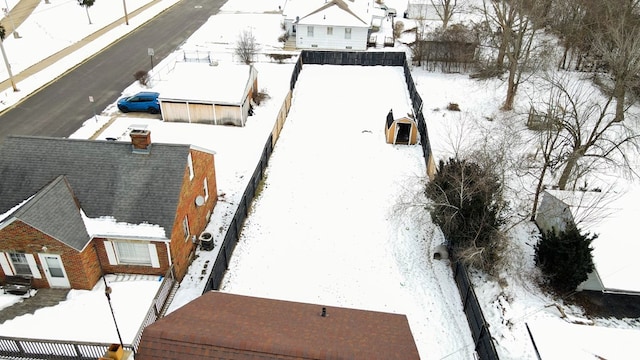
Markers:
54,211
107,177
220,325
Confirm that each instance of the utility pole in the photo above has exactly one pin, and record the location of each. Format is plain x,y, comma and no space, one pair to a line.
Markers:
126,16
6,62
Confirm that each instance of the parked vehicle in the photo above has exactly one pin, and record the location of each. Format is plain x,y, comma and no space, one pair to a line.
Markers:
143,101
389,11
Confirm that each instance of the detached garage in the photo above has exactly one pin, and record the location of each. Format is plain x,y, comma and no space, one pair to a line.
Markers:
219,94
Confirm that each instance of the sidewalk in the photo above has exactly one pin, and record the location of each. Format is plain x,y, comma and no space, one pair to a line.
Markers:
24,8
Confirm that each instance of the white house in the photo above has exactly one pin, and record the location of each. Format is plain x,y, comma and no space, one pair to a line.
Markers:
616,248
423,9
218,94
328,24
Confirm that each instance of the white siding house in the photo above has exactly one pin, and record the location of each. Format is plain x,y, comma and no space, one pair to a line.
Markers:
612,218
333,25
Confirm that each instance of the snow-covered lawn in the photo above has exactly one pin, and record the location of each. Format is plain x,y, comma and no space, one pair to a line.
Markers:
325,229
331,225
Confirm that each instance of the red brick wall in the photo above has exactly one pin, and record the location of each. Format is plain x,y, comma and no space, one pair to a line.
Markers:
22,238
163,258
181,249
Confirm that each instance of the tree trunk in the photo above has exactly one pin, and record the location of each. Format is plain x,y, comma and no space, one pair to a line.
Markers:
536,197
86,8
572,161
619,94
512,85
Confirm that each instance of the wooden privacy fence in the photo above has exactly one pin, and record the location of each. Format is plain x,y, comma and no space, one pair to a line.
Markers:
22,348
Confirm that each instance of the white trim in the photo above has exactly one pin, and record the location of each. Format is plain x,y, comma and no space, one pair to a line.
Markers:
4,263
31,260
111,253
168,254
190,164
154,256
206,189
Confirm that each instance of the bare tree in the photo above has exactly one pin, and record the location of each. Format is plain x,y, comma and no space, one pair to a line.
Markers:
419,45
246,47
619,47
590,131
518,33
445,10
87,4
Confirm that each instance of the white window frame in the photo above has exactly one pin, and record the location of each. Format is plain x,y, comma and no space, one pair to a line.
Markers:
9,268
347,33
206,190
310,31
329,30
116,257
190,164
19,267
185,228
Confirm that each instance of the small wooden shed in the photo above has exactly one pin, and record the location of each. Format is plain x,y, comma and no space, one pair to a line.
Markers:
403,130
218,94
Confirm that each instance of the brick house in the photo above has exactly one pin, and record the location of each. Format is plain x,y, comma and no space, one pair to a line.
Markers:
220,325
71,210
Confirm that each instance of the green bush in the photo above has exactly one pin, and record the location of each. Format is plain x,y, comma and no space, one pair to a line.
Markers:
565,258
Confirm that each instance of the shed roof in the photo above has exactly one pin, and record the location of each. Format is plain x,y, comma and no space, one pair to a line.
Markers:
107,177
218,324
224,83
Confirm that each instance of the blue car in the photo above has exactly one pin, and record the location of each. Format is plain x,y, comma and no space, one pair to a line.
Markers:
142,101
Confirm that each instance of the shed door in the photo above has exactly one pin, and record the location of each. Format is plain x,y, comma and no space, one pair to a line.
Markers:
403,134
54,270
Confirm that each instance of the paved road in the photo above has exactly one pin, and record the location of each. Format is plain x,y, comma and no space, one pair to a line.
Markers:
61,107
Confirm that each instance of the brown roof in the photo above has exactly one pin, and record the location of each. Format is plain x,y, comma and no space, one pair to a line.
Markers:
227,326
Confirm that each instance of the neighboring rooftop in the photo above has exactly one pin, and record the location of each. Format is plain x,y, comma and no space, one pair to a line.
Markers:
228,326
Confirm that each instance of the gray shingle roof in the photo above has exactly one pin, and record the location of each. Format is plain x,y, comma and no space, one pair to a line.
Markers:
54,211
107,178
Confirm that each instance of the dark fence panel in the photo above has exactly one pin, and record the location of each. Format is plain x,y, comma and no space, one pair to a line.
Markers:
221,263
479,328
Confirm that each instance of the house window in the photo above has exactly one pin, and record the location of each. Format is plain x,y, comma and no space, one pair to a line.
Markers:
310,31
347,33
206,190
20,264
133,253
190,163
185,228
329,30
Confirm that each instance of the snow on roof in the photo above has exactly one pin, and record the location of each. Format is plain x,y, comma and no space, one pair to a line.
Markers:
6,214
616,249
582,341
223,83
107,226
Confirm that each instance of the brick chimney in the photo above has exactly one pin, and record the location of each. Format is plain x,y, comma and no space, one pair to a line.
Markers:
140,139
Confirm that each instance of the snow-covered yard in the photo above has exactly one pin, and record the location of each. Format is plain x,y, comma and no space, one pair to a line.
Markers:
325,229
